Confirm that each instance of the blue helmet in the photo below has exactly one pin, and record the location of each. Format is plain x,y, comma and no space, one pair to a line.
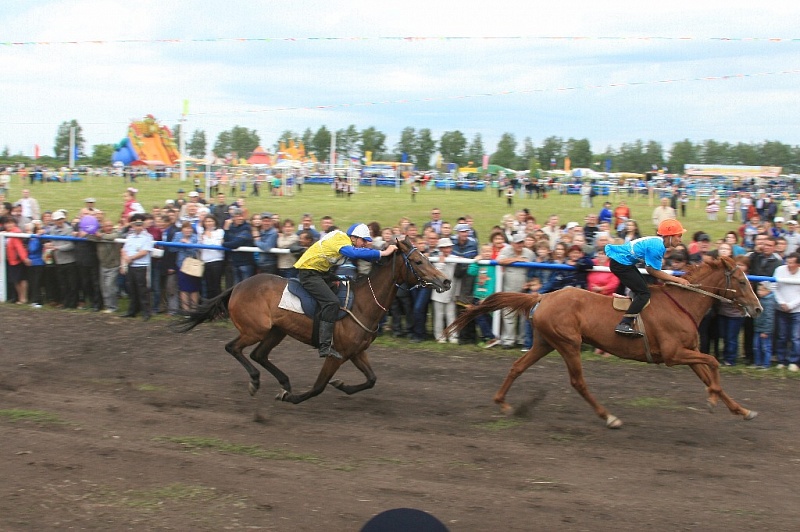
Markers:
360,231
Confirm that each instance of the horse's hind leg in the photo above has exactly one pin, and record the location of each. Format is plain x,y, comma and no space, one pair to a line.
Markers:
362,363
235,347
705,375
261,355
329,368
572,358
539,350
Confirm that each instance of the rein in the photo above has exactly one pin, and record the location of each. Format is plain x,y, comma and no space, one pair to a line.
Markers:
698,290
420,283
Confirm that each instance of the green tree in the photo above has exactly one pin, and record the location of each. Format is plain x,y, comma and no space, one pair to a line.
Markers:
196,147
552,149
347,141
101,154
528,153
654,155
374,141
61,147
774,153
407,144
424,148
746,154
579,152
176,134
713,152
506,153
453,147
223,146
681,154
321,143
244,141
631,157
308,140
476,150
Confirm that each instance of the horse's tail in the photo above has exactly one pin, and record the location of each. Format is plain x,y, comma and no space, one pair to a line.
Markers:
511,301
213,309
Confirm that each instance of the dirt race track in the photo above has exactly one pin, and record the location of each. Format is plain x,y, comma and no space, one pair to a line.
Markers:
113,424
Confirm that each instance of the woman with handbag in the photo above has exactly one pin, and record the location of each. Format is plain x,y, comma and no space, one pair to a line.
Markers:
213,259
189,274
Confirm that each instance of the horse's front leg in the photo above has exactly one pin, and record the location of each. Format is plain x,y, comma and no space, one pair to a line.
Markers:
705,375
360,361
329,369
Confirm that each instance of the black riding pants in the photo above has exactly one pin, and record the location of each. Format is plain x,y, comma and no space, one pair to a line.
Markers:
316,284
631,278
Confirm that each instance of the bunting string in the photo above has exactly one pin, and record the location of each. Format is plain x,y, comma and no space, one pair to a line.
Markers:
643,38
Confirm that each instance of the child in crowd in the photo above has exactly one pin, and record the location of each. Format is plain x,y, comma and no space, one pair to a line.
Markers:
763,327
485,278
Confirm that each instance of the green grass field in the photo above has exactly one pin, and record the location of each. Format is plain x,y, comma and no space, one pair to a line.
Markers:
382,204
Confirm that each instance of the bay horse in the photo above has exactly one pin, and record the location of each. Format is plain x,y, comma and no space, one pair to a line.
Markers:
565,319
252,306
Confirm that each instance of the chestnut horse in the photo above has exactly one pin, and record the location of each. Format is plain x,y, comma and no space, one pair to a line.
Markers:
252,306
565,319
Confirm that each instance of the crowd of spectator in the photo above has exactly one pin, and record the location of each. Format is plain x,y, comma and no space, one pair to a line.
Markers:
95,273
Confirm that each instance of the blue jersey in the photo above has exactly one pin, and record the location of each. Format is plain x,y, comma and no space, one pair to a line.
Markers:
649,249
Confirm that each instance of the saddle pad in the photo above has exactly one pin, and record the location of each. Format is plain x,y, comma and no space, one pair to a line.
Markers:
623,302
296,299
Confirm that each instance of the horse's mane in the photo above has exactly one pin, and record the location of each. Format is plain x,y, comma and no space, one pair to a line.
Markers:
693,271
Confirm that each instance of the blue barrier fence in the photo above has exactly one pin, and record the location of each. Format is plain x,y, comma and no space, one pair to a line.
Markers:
498,284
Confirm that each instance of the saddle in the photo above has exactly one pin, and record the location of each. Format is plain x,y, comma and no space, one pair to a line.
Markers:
623,303
295,298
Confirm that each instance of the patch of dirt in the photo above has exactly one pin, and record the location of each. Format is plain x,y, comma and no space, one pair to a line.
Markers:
119,424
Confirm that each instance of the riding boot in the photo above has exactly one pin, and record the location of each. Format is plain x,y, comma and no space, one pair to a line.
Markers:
326,340
625,327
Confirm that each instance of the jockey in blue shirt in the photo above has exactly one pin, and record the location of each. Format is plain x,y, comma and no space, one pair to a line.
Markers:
650,249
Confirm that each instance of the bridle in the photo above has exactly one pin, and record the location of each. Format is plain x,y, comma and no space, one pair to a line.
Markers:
699,290
421,283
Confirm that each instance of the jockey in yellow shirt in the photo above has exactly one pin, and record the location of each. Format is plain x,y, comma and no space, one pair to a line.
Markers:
314,274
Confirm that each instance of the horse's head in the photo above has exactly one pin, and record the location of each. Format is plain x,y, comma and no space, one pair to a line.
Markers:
422,272
739,289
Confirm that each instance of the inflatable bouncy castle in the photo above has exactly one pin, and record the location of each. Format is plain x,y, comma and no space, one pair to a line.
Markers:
147,143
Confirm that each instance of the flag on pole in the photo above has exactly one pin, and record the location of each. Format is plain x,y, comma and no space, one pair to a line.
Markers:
35,151
185,107
485,162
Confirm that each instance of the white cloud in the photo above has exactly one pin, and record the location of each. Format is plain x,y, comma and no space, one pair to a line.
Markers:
103,86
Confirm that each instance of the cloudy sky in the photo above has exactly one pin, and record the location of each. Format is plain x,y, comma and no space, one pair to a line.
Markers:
341,66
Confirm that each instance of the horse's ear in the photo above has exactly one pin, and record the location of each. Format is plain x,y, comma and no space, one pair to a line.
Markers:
708,259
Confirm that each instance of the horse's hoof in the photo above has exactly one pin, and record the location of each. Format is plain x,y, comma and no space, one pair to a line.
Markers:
281,395
751,414
613,422
337,383
506,409
253,388
710,405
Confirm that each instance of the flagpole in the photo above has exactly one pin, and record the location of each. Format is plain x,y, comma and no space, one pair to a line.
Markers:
182,139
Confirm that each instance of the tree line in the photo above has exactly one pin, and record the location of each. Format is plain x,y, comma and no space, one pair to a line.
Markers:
419,146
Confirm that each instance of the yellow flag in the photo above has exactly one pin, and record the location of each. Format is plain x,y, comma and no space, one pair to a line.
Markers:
567,164
368,157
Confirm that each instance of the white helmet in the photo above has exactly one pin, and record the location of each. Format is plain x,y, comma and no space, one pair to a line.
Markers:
360,231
